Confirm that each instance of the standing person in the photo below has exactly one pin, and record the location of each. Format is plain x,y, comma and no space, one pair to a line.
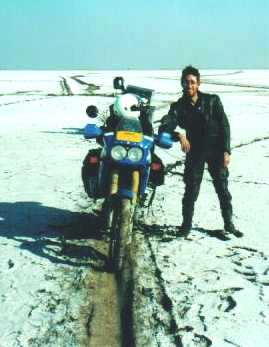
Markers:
207,140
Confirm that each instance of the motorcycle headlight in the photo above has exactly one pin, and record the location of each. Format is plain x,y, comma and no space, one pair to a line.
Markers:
118,152
135,154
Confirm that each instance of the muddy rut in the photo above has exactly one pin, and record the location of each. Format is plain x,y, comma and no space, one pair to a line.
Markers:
103,322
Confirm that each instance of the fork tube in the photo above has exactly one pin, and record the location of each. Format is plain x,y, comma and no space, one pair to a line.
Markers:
135,185
114,182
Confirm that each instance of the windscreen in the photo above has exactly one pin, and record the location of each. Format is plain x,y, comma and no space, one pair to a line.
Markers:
129,124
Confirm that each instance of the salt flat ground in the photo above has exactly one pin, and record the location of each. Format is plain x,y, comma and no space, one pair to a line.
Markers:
218,291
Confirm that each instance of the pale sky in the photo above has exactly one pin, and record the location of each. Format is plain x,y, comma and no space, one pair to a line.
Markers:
122,34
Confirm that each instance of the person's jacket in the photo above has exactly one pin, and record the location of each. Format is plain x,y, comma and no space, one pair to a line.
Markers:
216,128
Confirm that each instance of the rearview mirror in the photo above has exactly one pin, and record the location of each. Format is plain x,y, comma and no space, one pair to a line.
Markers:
92,111
118,83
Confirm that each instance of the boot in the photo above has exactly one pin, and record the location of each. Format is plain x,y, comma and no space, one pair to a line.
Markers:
230,229
185,228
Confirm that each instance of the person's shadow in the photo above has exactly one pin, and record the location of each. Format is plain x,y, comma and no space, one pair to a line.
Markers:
216,233
61,236
166,233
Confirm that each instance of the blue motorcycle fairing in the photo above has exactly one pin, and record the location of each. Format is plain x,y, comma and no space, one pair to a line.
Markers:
146,145
107,163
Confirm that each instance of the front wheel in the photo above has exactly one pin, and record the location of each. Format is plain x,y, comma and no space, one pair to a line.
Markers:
121,224
114,237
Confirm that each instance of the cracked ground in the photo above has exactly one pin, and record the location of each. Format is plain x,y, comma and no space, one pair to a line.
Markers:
54,290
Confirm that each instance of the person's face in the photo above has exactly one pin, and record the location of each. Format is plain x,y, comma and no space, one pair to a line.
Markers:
190,85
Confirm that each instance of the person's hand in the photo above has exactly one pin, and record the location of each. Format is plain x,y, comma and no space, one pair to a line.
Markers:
184,142
226,159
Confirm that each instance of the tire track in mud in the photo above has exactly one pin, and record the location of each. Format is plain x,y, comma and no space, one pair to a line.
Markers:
27,100
98,320
66,90
101,315
226,73
256,139
229,84
215,75
246,182
90,86
108,314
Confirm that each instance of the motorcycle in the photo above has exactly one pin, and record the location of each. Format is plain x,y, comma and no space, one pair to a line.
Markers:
124,166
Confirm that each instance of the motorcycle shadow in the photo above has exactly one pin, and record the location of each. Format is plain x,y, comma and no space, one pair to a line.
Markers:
61,236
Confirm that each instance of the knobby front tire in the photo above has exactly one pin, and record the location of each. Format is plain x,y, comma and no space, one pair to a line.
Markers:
121,221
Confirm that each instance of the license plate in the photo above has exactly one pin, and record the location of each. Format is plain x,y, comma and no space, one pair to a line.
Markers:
130,136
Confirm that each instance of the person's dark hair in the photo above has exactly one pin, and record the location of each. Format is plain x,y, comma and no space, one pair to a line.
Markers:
190,70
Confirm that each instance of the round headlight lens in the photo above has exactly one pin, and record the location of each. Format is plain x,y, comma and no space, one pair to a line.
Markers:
118,152
135,154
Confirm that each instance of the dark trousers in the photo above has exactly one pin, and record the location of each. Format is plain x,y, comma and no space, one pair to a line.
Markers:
193,174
